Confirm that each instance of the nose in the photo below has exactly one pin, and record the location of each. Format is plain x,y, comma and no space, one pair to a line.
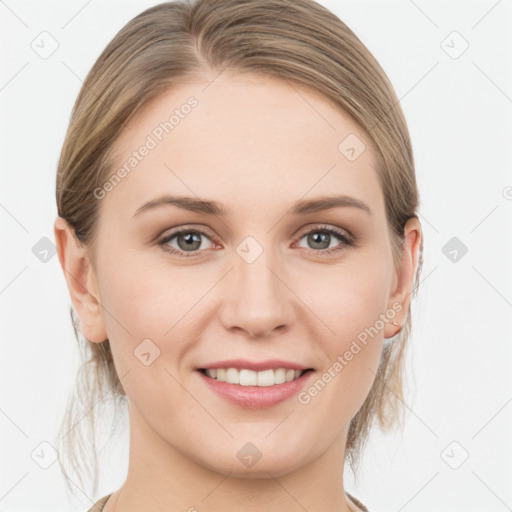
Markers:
257,300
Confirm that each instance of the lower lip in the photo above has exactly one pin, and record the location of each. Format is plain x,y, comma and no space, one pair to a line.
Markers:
257,397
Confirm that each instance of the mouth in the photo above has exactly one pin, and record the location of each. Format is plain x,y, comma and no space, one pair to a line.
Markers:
262,385
247,377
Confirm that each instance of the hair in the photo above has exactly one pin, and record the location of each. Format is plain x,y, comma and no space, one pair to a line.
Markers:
298,41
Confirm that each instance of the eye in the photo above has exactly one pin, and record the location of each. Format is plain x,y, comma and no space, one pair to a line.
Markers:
189,241
320,239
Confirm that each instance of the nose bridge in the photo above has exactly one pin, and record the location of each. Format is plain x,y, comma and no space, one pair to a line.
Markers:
259,301
256,281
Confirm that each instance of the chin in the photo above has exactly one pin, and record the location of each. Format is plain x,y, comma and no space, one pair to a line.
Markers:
276,465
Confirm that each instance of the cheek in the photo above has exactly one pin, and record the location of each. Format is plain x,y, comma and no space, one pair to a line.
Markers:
151,309
352,301
146,316
349,298
148,298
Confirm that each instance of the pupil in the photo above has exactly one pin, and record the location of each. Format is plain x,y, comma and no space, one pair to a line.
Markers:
321,238
191,239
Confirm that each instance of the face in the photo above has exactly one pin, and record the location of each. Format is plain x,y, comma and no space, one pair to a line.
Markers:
265,278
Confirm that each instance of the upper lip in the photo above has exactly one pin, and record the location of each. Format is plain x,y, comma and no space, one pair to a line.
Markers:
257,366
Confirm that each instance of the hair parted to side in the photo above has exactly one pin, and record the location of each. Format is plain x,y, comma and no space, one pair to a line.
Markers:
298,41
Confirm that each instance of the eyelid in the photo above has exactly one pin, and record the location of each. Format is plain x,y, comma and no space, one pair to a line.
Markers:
327,227
200,228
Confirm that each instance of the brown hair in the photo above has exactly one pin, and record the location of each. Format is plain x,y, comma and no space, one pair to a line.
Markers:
299,41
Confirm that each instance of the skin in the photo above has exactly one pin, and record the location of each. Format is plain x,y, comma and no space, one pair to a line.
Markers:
257,146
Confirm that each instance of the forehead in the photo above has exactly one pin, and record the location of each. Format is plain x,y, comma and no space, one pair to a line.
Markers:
243,139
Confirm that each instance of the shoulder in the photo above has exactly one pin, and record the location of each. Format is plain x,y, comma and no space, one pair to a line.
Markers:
98,506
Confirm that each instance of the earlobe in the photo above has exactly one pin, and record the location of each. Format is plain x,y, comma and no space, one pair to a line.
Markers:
401,294
81,281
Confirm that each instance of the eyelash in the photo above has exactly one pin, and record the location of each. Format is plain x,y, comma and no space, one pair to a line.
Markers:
346,239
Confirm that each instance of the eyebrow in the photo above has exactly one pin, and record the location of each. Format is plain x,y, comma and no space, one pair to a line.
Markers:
208,207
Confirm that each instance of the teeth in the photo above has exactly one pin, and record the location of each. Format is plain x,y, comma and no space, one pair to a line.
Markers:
232,375
290,374
265,378
280,376
252,378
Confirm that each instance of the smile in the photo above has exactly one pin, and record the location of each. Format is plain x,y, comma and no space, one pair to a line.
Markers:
246,377
255,389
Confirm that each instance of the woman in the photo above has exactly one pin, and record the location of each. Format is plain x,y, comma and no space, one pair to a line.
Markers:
237,225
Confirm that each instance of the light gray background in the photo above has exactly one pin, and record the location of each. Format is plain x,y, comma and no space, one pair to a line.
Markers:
459,112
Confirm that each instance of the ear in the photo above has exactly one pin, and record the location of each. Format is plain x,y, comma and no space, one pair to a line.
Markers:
403,280
81,281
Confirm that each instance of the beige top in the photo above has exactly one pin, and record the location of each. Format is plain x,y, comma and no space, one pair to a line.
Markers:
98,506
